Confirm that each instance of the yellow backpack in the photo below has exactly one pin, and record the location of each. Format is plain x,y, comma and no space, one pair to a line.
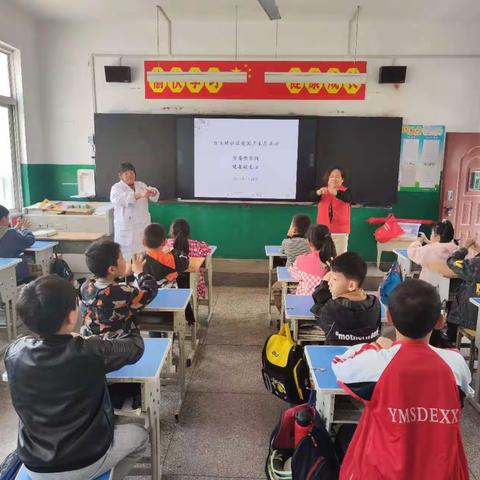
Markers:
284,371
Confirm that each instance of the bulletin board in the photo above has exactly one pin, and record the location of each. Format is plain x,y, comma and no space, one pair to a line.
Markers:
421,157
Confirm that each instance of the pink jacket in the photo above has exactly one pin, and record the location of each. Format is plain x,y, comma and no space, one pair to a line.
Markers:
432,252
309,271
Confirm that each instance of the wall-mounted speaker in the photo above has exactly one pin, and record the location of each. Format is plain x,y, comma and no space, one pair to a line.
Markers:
115,73
392,74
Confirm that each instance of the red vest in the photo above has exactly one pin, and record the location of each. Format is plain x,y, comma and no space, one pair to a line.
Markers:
340,222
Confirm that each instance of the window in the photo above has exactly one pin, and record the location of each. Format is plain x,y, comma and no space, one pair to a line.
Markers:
475,180
9,173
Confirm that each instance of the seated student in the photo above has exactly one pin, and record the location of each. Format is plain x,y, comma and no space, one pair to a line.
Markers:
463,313
195,249
162,263
413,395
58,388
343,310
433,253
13,241
309,269
296,244
107,306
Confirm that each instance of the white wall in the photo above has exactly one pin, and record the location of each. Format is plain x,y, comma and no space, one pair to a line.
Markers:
20,30
438,90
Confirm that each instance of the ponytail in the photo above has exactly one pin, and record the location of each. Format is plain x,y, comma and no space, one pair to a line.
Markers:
180,231
319,236
444,230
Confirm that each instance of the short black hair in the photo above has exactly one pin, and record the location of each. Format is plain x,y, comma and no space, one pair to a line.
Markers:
154,235
127,167
301,223
415,308
352,265
101,255
44,304
3,212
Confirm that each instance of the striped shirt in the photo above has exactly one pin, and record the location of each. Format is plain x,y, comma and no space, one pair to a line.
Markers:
293,247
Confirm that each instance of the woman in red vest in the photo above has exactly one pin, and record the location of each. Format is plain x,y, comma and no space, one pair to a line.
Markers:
334,207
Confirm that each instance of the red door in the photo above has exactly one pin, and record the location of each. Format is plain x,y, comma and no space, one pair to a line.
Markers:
460,201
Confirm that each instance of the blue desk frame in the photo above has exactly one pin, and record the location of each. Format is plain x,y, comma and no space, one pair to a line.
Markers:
272,251
319,359
8,293
147,372
173,300
43,252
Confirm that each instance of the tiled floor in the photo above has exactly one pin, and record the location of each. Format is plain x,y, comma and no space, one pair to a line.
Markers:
227,415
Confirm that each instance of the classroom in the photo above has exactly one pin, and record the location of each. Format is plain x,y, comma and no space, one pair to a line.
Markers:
239,239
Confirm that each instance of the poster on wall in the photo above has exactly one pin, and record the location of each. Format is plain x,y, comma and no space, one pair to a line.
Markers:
421,157
267,80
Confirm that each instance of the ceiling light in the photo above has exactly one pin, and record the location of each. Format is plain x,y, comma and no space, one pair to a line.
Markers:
221,77
271,9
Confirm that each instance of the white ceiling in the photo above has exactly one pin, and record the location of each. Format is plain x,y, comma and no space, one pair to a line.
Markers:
250,10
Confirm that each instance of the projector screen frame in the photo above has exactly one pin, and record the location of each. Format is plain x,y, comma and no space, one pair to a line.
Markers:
306,160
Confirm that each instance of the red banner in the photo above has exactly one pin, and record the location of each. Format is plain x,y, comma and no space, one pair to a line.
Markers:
255,86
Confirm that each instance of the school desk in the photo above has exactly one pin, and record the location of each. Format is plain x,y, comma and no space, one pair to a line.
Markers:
72,246
172,300
476,397
441,283
272,251
147,372
194,278
43,252
285,278
329,402
8,293
297,308
404,262
397,243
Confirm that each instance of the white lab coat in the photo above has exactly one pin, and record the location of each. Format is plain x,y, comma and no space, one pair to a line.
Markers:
130,216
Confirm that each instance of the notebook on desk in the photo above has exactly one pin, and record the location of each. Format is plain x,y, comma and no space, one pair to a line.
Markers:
48,232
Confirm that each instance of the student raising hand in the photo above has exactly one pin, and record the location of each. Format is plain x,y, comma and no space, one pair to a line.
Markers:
138,261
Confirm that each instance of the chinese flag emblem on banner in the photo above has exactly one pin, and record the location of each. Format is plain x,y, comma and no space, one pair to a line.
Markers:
256,80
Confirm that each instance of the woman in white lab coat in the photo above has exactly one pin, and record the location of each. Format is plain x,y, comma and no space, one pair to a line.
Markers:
131,216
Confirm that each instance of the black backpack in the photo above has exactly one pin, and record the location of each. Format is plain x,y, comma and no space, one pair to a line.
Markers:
61,268
315,457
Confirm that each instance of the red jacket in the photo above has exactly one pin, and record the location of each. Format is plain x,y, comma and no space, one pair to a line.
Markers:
410,427
334,211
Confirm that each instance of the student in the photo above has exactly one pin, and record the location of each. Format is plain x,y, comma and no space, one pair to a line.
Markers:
413,395
162,263
58,388
343,310
463,312
296,244
433,253
107,306
13,241
309,269
180,240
